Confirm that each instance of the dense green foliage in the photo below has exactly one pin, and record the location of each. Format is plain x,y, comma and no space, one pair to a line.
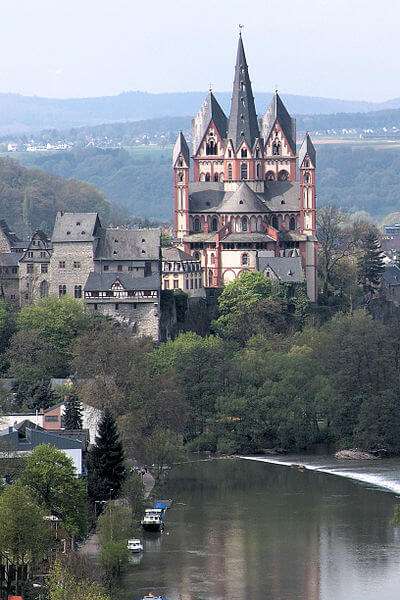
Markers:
63,585
30,199
139,181
51,477
73,412
106,461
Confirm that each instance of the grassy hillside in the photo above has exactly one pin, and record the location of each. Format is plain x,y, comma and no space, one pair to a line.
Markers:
355,177
30,199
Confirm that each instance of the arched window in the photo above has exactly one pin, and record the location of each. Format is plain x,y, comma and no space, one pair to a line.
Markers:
62,290
44,289
216,177
210,277
243,153
229,153
306,177
274,222
292,223
78,291
196,255
229,172
208,176
258,171
180,163
276,148
211,148
243,171
257,152
180,176
245,260
221,176
269,176
212,259
245,224
214,224
283,176
306,163
202,177
196,224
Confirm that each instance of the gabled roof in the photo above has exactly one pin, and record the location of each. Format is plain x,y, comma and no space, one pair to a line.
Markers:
12,238
243,123
307,148
243,200
277,112
174,254
210,111
287,269
129,244
102,282
76,227
181,147
9,259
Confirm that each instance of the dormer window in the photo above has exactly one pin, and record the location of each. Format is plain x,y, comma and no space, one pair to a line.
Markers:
143,240
83,232
143,251
68,233
78,224
116,241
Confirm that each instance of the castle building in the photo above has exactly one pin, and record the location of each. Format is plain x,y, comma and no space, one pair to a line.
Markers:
246,188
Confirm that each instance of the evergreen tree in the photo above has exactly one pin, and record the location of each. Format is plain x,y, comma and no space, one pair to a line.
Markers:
370,263
73,412
106,468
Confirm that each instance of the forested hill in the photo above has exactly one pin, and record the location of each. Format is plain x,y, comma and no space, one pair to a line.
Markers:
30,199
22,114
353,177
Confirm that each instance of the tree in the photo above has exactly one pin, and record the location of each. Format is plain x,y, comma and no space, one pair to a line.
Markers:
106,468
73,412
162,449
133,492
25,538
378,424
32,357
62,585
51,477
57,320
370,264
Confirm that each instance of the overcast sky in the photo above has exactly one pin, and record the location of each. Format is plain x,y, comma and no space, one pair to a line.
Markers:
67,48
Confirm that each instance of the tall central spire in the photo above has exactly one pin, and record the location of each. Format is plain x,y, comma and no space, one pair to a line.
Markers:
243,124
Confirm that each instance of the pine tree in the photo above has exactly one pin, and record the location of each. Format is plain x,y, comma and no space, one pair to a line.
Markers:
106,468
370,264
73,413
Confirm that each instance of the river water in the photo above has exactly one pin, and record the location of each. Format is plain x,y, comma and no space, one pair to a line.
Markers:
245,529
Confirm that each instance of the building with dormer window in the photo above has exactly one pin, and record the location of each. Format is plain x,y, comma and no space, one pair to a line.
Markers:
252,190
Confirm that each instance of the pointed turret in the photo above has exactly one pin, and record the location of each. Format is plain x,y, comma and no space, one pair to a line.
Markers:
181,149
277,113
243,123
307,150
210,111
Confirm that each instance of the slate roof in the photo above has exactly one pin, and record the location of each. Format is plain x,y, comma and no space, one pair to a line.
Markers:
282,196
9,259
248,237
287,269
277,112
391,275
243,122
210,111
101,282
176,255
75,227
129,244
12,238
308,147
278,196
181,147
35,437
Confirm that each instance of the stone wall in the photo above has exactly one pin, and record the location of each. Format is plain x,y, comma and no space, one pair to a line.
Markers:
71,276
143,317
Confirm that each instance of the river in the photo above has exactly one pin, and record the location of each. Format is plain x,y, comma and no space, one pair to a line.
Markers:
249,530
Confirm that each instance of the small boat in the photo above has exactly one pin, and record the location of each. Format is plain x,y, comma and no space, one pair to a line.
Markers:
153,519
135,546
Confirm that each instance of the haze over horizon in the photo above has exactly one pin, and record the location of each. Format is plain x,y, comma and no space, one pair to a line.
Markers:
344,49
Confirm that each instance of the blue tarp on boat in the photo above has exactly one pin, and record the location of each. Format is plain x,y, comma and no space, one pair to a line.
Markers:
162,504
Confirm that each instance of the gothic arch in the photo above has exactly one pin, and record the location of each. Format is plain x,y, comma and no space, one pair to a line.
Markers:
228,275
269,176
283,175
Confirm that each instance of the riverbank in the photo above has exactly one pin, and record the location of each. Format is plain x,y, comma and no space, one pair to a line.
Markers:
383,474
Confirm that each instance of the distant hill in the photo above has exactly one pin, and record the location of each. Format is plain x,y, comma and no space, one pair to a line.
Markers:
376,121
30,199
22,114
356,178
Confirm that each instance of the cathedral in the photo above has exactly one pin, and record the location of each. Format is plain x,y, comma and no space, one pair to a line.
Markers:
247,201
